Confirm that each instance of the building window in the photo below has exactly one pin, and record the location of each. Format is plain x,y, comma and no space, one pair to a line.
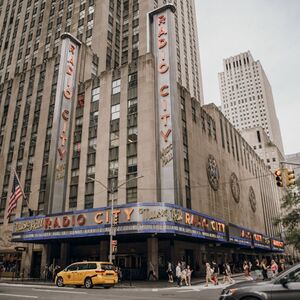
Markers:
113,168
115,112
116,86
132,134
114,139
131,195
96,94
132,164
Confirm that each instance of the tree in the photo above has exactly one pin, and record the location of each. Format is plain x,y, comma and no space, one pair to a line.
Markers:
290,219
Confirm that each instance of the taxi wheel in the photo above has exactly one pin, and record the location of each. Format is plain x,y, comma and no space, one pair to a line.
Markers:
60,282
88,283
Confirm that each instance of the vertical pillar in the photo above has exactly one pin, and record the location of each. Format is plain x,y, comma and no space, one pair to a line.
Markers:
104,250
44,260
26,262
172,252
64,254
152,254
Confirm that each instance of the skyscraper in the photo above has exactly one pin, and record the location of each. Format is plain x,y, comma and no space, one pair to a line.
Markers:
246,95
110,113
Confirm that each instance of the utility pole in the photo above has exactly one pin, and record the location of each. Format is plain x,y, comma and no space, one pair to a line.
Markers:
112,190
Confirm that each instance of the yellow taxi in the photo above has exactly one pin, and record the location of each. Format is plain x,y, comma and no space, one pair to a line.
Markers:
88,274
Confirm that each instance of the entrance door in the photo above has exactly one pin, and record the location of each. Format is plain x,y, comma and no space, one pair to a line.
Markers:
189,256
36,264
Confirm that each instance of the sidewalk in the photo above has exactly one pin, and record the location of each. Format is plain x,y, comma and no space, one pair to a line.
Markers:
126,284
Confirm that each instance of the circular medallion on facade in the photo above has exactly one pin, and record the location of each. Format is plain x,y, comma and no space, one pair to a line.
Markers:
213,172
235,187
252,198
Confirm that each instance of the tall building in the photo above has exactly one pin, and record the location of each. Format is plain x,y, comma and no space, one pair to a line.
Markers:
110,113
262,145
246,96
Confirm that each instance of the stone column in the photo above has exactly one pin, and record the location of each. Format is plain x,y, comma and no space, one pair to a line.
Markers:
44,260
64,254
152,254
26,262
104,250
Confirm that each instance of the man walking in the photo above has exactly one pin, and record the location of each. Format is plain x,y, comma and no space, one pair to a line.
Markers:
178,274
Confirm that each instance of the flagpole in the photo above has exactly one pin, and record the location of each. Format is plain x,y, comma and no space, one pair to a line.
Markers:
21,189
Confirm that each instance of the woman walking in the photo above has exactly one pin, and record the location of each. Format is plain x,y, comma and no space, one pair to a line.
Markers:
227,273
274,268
246,269
189,275
209,274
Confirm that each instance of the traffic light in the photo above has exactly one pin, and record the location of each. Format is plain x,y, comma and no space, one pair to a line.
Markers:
116,219
278,176
290,178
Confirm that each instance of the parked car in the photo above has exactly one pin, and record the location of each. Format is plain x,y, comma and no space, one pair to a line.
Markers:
286,286
88,274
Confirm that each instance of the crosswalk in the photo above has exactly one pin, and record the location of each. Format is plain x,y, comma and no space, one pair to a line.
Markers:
195,288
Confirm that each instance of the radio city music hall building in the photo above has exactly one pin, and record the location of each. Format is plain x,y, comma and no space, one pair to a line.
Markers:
185,184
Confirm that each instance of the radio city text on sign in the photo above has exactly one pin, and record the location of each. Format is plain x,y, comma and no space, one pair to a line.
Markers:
163,68
123,215
67,96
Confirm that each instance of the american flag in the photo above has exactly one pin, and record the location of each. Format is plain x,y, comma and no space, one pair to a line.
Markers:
16,193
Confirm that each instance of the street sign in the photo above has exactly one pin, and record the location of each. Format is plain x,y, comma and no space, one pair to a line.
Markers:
21,249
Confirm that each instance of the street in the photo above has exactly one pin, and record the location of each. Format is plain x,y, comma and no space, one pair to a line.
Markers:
25,291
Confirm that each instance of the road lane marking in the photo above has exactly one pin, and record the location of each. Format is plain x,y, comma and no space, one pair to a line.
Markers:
33,286
59,291
20,296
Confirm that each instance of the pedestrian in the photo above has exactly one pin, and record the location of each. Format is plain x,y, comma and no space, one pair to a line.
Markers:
56,271
152,271
119,272
274,268
246,269
51,272
183,277
189,275
227,273
170,272
45,272
257,270
209,274
183,264
282,265
215,268
178,274
264,269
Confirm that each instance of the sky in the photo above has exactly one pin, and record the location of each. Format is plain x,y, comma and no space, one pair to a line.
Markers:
270,29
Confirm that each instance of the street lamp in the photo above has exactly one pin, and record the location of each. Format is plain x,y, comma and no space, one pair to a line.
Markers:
112,190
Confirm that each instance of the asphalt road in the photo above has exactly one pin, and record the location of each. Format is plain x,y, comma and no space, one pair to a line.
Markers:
22,291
